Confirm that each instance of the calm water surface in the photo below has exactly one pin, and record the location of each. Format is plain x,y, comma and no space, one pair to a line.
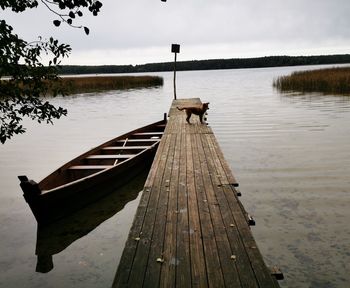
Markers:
290,154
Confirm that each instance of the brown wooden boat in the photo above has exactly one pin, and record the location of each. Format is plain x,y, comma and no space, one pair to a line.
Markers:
93,174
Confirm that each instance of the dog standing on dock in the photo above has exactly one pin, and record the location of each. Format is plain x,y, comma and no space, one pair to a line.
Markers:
195,110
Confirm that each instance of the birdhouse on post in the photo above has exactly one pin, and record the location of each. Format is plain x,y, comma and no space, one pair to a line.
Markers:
175,48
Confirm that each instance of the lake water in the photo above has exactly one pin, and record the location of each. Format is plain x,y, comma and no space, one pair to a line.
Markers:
290,154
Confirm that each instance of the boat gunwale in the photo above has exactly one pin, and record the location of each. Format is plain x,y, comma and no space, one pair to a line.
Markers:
78,181
90,152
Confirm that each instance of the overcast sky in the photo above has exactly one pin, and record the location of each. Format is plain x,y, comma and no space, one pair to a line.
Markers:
141,31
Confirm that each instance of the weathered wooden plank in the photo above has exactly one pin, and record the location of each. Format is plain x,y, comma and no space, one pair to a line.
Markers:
136,233
156,253
222,164
168,268
159,161
143,259
149,134
111,156
262,274
244,271
213,265
183,259
217,160
90,167
228,266
222,169
198,265
125,148
146,140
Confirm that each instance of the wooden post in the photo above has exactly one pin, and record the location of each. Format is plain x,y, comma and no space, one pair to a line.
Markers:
175,48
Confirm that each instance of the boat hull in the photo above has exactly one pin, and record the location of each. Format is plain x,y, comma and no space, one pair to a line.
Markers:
53,204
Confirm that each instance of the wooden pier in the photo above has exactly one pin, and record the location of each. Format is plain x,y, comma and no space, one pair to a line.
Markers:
190,229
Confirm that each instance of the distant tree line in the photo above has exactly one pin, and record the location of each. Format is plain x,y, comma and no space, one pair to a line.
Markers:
259,62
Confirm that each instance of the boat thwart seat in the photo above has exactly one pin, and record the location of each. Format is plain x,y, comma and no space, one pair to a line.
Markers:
90,167
119,156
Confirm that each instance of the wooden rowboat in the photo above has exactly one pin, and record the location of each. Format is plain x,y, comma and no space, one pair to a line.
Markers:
93,174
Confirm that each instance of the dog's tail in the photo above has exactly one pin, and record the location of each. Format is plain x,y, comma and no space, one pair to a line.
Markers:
180,108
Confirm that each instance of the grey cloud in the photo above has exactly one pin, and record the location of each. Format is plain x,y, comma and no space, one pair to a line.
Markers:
274,25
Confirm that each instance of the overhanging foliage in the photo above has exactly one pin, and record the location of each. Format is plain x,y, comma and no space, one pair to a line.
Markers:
24,79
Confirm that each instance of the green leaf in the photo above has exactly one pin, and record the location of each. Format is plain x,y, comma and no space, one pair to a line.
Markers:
57,23
87,30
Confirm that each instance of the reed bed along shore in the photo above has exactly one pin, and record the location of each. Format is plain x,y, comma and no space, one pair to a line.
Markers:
74,85
328,81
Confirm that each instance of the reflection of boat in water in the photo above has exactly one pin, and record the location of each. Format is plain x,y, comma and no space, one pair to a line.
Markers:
55,237
82,180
